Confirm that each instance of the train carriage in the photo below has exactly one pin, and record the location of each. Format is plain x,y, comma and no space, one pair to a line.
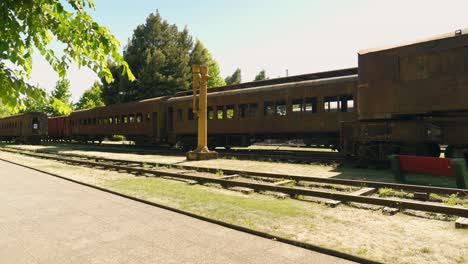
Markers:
141,121
24,128
59,128
418,88
309,110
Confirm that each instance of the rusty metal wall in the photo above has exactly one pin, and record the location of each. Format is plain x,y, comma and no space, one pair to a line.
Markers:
418,79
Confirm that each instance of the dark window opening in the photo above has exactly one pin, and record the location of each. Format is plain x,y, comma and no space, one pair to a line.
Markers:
229,111
210,112
310,105
117,120
190,114
280,108
220,112
131,118
347,103
297,105
148,117
268,108
331,104
139,118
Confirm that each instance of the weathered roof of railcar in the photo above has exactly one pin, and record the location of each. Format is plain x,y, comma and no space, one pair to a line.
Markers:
22,114
410,43
349,78
289,79
120,105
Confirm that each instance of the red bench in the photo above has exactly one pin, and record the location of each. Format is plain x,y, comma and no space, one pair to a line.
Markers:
402,164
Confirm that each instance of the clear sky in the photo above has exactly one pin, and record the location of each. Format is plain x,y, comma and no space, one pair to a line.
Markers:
303,36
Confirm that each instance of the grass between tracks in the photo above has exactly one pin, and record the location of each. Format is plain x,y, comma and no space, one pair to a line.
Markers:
391,239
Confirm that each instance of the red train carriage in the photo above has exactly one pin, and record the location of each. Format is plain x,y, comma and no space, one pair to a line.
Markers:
142,122
309,110
24,128
59,128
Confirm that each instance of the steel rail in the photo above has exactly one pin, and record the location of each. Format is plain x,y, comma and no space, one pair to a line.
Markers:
400,204
349,182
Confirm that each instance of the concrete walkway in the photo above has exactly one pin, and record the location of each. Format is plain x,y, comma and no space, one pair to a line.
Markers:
44,219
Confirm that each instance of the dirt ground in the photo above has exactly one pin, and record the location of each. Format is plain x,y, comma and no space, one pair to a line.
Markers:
390,239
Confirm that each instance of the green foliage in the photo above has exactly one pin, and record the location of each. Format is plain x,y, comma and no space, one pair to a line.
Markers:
91,98
201,56
26,25
261,76
4,111
59,101
159,55
235,78
43,102
62,91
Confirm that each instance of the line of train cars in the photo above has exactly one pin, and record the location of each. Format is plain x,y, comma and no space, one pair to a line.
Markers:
406,99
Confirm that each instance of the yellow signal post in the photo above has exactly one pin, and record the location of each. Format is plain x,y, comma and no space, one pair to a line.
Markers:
200,82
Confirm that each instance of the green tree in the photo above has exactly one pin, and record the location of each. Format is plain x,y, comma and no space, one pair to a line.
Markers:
28,25
59,100
91,98
201,56
235,78
261,76
158,54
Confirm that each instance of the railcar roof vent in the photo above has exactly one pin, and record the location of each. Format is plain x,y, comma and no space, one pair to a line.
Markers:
458,32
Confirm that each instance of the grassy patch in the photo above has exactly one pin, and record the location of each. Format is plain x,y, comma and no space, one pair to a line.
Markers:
214,202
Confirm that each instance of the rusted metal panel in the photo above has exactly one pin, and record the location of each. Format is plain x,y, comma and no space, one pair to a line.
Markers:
422,78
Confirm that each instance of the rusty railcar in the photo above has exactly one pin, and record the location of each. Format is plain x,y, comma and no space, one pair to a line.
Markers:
59,128
24,128
412,97
310,110
141,121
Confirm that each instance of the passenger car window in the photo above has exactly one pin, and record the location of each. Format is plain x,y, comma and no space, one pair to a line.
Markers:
229,111
310,105
268,108
280,108
131,118
190,114
139,118
220,112
331,104
296,105
346,103
210,112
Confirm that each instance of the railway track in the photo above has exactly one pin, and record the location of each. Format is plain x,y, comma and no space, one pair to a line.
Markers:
353,191
299,156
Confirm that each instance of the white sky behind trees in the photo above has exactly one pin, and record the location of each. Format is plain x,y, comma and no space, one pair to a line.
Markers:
303,36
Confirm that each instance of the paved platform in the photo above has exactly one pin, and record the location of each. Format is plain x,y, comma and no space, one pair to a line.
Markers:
44,219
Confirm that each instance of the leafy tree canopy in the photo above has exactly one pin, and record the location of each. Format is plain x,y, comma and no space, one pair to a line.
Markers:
160,55
201,56
59,99
33,24
91,98
235,78
47,104
261,76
